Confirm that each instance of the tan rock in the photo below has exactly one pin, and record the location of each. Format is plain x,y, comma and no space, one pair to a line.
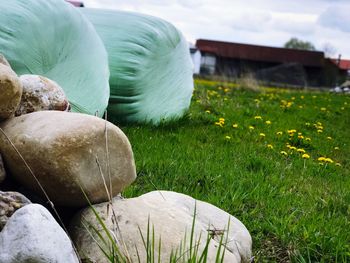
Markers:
9,203
171,216
10,91
67,151
40,93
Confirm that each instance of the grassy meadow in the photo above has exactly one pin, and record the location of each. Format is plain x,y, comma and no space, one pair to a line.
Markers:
278,160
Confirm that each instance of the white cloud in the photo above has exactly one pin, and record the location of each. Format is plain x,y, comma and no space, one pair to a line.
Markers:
268,22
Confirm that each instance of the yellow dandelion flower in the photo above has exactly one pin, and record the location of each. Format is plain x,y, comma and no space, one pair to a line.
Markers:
301,150
270,146
268,122
219,124
292,131
323,109
337,164
279,133
307,139
305,156
302,97
221,119
292,147
293,98
207,111
336,148
262,134
329,160
235,125
251,127
319,131
226,90
284,153
329,138
300,106
258,117
321,159
300,137
307,123
256,100
228,137
319,123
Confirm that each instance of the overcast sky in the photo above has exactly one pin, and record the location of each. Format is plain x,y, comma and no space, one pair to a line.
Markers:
262,22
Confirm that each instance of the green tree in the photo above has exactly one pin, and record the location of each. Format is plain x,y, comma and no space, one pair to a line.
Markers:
295,43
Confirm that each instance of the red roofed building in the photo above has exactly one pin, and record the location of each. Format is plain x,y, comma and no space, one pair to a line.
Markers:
269,64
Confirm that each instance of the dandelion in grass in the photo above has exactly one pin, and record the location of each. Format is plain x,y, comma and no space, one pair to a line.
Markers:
268,122
323,109
270,146
321,159
258,117
305,156
219,124
284,153
308,139
300,150
235,125
329,160
207,111
319,131
251,127
302,97
329,138
279,133
300,137
337,164
262,135
336,148
228,137
307,123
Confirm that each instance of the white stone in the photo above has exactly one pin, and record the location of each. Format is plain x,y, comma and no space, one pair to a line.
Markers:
68,152
171,215
40,93
33,235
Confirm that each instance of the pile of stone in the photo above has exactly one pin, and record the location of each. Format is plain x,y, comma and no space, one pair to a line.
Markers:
73,160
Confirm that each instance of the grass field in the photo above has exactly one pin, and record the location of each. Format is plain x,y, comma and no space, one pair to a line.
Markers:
278,160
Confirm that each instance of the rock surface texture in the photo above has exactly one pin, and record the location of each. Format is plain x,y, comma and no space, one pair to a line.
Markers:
10,91
68,152
171,214
33,235
9,203
40,93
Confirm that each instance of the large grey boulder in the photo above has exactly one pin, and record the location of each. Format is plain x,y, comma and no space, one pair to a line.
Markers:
9,203
171,215
10,91
68,152
40,93
33,235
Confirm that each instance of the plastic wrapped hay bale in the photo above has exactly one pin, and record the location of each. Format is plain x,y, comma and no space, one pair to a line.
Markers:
150,66
53,39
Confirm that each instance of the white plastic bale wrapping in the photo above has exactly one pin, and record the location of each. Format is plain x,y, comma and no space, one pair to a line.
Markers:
151,69
53,39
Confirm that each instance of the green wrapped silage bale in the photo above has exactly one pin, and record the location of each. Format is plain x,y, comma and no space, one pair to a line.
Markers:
151,70
53,39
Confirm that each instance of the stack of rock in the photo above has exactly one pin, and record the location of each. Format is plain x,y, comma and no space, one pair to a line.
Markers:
77,160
